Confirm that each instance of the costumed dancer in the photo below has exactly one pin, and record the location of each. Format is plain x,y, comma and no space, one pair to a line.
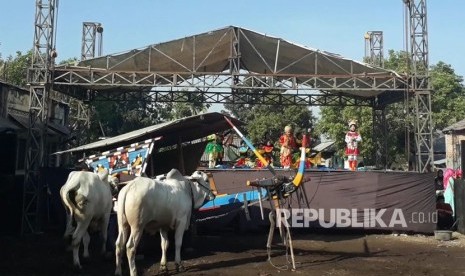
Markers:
213,149
268,154
288,145
243,155
352,139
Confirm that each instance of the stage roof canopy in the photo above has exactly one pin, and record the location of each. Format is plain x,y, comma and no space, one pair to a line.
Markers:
226,50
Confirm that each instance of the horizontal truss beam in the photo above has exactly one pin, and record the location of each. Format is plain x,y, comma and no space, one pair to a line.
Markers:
97,79
236,98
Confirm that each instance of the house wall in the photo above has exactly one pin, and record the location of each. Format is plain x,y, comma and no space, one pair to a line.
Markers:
453,148
15,101
3,101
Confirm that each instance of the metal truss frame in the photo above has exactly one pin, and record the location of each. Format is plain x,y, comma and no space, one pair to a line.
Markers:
374,53
380,137
79,120
39,76
420,84
237,98
98,79
91,37
274,87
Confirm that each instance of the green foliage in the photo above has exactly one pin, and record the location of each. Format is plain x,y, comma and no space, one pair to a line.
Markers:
334,120
192,106
447,101
448,97
114,118
334,124
14,69
69,61
266,122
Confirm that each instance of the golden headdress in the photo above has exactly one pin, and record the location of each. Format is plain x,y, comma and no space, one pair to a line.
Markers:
353,122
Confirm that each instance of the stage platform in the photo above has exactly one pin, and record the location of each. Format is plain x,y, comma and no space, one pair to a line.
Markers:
370,200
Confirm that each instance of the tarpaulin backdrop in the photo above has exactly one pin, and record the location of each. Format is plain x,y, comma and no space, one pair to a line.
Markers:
411,193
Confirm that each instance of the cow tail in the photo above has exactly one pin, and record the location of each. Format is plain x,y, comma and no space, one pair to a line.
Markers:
71,202
122,220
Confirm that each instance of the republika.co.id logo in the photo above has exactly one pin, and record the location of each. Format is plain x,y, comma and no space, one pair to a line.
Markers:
340,217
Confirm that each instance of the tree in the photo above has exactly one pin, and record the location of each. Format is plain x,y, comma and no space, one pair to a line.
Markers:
334,119
448,96
193,105
14,69
448,106
334,125
267,121
117,117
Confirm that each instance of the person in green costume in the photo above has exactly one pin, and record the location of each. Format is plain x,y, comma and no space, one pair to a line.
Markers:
214,149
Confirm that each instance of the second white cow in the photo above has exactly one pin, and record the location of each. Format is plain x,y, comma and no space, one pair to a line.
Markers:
87,198
153,205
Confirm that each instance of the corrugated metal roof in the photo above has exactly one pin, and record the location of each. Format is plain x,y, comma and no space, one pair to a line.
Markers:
181,130
323,146
460,125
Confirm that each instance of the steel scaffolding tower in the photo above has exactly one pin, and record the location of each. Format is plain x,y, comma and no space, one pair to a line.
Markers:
92,34
80,115
420,85
40,81
374,53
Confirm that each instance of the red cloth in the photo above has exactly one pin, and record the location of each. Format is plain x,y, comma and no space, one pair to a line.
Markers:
351,140
288,144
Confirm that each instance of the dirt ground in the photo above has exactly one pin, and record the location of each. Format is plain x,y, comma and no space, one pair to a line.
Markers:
246,254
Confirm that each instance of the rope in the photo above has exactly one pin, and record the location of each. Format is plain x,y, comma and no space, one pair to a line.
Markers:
218,216
286,240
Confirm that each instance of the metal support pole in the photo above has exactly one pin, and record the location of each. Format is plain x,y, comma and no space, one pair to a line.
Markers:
39,77
420,84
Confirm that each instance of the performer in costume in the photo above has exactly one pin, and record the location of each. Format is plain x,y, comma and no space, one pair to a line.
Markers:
268,155
243,155
213,149
288,145
352,139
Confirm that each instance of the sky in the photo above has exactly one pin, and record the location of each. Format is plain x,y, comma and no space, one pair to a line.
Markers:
336,26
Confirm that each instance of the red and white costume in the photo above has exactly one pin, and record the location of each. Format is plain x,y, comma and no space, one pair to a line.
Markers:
288,144
352,139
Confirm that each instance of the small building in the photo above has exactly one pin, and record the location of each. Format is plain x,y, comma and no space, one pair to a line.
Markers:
455,141
14,108
14,126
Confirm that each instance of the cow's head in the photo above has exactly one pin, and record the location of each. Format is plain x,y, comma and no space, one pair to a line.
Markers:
202,188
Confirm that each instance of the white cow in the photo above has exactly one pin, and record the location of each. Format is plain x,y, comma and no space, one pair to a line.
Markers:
87,198
154,205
